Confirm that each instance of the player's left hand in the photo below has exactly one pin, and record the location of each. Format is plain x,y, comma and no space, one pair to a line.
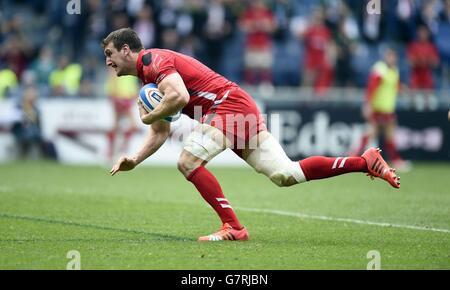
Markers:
123,164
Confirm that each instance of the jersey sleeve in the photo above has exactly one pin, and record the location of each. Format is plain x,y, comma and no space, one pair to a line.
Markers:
372,85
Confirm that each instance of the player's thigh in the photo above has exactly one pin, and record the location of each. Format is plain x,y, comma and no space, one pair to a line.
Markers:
255,142
389,129
373,128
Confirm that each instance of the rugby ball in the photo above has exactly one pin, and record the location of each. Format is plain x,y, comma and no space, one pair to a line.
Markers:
150,97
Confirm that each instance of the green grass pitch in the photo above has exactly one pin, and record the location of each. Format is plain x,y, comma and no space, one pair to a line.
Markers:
150,218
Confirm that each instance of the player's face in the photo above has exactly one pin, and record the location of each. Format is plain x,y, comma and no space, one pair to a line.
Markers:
391,58
115,59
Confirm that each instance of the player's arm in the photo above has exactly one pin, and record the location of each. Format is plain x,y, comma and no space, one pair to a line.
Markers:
157,135
175,98
372,85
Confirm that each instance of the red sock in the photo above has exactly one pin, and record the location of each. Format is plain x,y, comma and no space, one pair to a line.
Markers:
319,167
391,150
126,138
209,188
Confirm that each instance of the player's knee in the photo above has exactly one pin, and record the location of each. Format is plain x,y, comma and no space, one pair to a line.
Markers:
283,179
185,166
271,160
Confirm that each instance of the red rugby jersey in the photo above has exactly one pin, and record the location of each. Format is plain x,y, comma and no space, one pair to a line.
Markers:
205,86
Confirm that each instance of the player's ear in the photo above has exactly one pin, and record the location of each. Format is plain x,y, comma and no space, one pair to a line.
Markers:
126,49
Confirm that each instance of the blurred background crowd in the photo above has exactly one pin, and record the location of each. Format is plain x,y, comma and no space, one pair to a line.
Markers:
308,43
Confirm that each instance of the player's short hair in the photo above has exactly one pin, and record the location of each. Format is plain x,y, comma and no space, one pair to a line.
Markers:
124,36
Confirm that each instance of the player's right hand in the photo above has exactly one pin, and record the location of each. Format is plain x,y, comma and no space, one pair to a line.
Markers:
123,164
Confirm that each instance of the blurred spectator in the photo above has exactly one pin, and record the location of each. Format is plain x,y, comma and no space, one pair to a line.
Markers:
120,20
33,31
122,92
258,23
380,105
74,29
344,54
318,60
219,26
428,16
16,52
65,80
8,81
117,6
168,14
372,25
170,39
190,22
189,46
27,129
135,7
43,66
90,66
443,43
406,13
95,27
282,10
145,27
193,18
348,21
346,36
444,16
86,88
423,57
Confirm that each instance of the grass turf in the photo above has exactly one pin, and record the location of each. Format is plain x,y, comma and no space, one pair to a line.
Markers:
150,218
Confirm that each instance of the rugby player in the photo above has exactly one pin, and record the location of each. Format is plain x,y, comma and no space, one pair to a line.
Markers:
219,104
379,107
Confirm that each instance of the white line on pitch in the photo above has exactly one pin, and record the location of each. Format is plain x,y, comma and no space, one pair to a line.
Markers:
336,219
